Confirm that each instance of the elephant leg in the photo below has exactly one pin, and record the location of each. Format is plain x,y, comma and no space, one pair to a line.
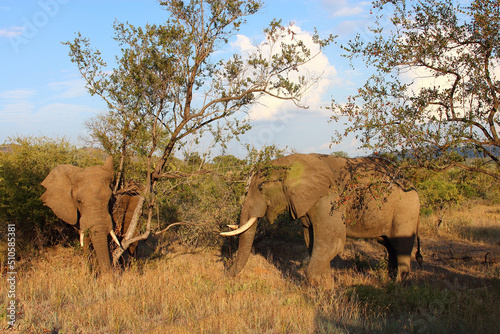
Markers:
392,265
403,247
324,250
308,234
399,249
329,239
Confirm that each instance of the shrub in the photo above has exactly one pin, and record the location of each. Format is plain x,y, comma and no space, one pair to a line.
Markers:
438,194
204,203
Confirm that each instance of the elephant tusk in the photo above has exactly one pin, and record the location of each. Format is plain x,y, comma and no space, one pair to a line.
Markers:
113,235
241,229
233,227
81,238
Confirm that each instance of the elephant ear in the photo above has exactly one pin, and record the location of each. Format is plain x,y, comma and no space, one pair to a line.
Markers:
108,164
58,194
307,179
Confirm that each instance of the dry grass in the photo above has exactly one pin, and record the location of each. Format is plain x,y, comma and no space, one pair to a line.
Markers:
474,221
188,292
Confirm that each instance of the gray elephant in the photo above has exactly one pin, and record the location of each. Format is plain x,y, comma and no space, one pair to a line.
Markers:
333,197
81,197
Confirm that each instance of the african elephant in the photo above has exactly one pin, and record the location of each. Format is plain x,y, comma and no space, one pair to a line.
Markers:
81,197
333,197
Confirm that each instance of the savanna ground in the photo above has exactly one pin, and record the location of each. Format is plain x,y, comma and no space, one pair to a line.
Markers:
185,290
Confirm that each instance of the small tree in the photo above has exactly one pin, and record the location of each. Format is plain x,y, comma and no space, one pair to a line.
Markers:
169,86
436,89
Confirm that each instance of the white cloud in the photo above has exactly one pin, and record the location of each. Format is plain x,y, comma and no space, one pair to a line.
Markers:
267,107
243,44
15,111
343,8
423,78
69,89
11,32
348,11
19,94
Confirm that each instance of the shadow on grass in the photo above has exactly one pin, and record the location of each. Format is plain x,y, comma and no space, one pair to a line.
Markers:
489,234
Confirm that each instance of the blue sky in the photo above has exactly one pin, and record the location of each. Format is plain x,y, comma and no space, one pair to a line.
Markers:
42,93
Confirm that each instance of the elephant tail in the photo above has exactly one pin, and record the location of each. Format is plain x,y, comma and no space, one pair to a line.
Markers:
418,255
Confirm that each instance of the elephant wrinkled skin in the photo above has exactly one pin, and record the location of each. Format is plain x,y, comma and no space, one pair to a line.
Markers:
81,197
333,197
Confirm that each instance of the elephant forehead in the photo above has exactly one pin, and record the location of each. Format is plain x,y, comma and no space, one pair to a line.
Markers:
93,176
97,186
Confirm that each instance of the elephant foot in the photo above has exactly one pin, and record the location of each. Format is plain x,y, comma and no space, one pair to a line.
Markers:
319,274
402,276
403,273
399,274
322,282
403,262
234,270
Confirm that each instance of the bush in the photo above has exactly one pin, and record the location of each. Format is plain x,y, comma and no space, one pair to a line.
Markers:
204,203
475,185
438,194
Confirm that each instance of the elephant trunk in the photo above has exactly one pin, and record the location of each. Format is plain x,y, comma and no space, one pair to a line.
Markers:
244,249
254,207
100,243
98,226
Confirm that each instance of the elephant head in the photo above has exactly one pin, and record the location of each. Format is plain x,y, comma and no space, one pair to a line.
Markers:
293,183
80,197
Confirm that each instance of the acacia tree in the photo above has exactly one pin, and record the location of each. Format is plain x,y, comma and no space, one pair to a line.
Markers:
436,88
169,85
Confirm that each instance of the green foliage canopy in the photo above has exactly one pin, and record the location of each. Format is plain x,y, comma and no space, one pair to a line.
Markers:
169,87
435,89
